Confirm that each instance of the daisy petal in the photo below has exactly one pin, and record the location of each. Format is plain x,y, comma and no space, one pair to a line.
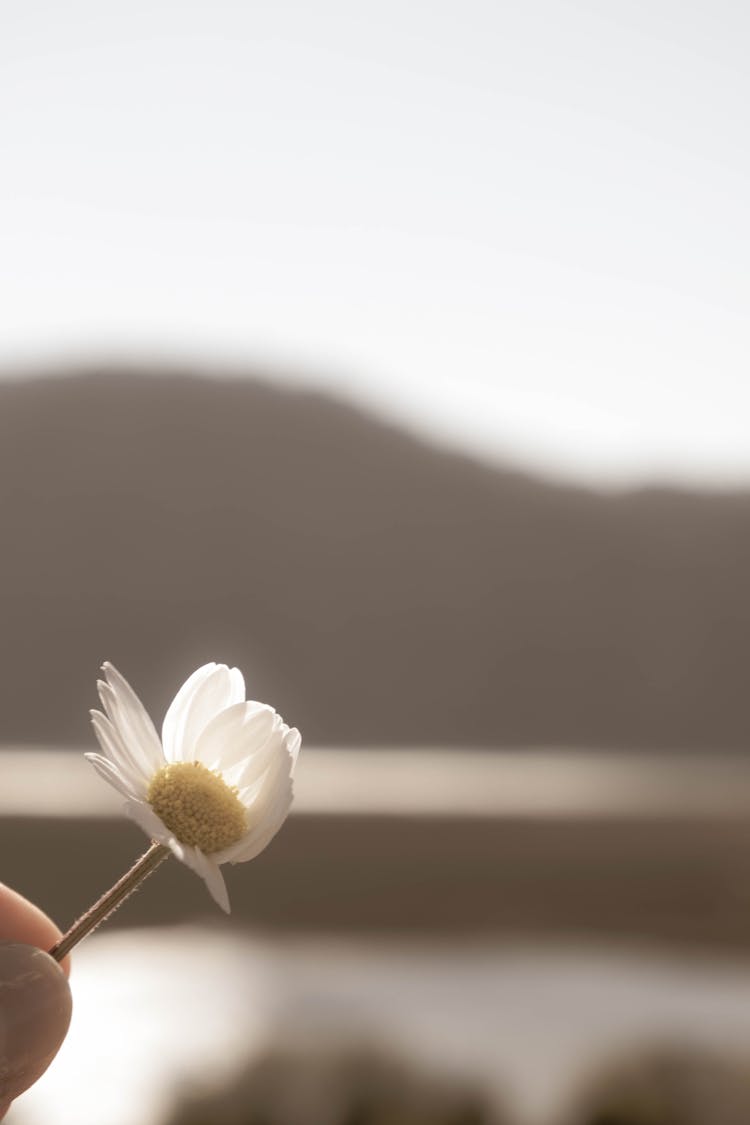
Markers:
268,801
112,774
209,691
282,746
207,868
214,881
126,739
133,721
274,786
266,770
113,750
171,729
146,818
235,734
238,685
293,740
260,836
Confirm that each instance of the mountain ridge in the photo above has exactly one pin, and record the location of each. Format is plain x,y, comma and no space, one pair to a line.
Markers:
373,587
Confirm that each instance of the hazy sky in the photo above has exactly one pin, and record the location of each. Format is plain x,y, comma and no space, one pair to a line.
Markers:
523,224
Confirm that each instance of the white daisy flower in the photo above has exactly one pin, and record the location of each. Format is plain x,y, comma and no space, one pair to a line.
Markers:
217,786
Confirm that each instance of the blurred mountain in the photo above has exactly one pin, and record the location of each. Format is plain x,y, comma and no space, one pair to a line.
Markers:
372,587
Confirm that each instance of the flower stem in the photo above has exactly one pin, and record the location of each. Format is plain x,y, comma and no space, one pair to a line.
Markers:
109,902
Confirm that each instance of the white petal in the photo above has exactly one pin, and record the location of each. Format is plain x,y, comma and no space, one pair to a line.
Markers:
238,685
112,775
275,785
131,750
214,881
210,690
152,825
265,771
234,735
268,801
179,851
260,835
206,867
253,782
115,752
293,740
171,730
283,747
129,718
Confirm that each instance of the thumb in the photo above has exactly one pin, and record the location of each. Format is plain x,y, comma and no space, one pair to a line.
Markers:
35,1007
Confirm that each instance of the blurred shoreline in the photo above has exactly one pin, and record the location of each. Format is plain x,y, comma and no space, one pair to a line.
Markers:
432,781
654,851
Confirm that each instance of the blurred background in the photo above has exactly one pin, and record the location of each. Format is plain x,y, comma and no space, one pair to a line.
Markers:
396,354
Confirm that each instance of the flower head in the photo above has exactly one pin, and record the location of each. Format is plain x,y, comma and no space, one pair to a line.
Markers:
217,786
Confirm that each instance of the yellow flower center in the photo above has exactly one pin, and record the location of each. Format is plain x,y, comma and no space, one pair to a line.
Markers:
198,806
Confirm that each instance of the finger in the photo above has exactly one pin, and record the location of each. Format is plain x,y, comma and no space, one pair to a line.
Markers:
21,921
34,995
35,1007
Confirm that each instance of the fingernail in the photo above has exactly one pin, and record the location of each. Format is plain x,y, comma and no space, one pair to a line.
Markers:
35,1006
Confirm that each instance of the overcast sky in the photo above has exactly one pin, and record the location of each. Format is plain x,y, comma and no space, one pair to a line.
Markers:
523,225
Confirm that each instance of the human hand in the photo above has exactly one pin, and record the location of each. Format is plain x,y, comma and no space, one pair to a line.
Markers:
35,1002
